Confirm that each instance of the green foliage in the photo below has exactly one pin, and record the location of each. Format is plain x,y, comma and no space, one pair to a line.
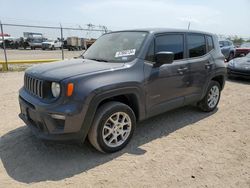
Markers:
236,40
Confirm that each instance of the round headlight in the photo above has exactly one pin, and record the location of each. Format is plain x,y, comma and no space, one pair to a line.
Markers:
55,89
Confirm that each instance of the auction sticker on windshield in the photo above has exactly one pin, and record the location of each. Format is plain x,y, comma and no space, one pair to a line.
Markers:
125,53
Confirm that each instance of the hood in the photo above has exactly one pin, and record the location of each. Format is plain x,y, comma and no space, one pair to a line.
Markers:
242,62
64,69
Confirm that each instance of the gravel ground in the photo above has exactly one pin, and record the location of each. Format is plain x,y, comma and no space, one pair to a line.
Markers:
181,148
37,54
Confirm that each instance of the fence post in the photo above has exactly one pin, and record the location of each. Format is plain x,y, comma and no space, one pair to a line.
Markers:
62,41
5,65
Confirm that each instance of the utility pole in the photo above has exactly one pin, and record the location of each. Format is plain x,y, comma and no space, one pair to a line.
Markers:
62,41
189,25
5,65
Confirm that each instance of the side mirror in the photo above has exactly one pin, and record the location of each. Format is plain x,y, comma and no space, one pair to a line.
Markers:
164,58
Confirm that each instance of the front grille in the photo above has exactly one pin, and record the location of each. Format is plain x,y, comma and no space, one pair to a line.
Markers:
33,86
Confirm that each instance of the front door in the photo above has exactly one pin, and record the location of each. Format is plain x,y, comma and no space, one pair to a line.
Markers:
166,85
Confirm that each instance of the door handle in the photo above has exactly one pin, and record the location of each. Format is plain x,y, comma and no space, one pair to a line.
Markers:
182,70
208,65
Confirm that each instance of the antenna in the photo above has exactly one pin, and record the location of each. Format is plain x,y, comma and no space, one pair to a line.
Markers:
189,25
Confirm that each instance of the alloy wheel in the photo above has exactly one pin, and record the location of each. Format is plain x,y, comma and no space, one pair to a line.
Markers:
213,96
116,129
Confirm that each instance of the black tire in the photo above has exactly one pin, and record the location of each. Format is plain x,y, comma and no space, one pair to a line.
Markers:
102,115
204,104
230,77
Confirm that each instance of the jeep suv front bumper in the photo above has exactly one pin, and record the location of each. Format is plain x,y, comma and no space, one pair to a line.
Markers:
52,122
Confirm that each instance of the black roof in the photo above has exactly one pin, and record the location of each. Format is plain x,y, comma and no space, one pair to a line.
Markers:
167,30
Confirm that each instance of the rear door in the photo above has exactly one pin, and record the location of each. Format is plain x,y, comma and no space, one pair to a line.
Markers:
200,63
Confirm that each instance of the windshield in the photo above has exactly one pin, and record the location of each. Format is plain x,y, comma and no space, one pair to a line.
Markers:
116,47
245,45
37,40
221,43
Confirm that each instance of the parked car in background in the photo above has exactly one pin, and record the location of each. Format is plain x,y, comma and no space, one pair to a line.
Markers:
10,42
35,43
243,49
32,40
51,44
123,78
239,67
227,48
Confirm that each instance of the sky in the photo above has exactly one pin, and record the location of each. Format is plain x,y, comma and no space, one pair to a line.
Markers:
216,16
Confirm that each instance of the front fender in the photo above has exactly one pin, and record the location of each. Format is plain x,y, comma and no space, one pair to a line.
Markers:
101,94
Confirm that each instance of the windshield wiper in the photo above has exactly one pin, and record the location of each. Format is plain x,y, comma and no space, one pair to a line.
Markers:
100,60
80,56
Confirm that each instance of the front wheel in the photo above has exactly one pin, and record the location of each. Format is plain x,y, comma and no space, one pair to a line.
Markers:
113,127
212,97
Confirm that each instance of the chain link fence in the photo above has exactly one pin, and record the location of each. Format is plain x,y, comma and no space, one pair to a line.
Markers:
21,44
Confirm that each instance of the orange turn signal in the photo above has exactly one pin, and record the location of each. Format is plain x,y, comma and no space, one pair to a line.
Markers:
70,89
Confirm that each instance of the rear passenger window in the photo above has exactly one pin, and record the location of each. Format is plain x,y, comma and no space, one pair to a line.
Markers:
210,44
196,45
170,43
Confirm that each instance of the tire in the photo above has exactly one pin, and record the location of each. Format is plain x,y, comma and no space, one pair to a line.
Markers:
106,131
206,104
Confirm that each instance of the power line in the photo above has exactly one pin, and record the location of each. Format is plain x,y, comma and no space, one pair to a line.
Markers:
50,27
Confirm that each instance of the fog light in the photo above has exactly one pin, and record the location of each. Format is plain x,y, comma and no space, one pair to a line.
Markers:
57,116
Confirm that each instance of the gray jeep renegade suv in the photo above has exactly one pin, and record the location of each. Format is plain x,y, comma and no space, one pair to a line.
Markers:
123,78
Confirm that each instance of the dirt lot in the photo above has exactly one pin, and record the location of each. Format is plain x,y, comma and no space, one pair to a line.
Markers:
37,54
181,148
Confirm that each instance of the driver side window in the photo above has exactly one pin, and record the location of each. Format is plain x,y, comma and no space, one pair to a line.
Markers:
170,43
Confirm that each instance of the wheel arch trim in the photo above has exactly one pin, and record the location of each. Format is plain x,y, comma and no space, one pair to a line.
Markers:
97,98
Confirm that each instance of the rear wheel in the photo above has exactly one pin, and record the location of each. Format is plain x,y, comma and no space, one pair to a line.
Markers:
113,127
212,97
